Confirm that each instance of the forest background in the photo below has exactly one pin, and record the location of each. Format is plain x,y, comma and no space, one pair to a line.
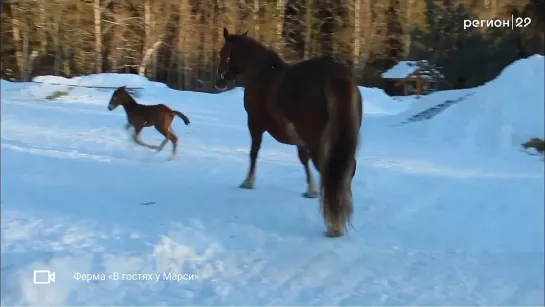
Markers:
177,41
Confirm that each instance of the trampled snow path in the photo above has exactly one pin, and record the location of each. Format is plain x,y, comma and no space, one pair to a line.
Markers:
436,225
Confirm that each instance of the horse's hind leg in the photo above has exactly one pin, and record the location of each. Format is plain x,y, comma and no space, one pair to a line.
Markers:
256,133
311,186
286,126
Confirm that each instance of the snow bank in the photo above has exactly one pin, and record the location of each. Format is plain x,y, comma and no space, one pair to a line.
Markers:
501,114
9,86
377,102
91,85
102,80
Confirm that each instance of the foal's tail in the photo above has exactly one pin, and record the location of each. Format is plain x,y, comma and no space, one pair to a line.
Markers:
181,115
338,152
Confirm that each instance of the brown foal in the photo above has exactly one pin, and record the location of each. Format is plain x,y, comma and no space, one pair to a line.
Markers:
139,116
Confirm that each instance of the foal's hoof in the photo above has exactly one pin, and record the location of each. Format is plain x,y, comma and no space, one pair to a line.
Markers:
246,185
310,194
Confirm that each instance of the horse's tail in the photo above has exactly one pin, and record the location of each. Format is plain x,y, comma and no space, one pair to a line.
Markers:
338,153
182,116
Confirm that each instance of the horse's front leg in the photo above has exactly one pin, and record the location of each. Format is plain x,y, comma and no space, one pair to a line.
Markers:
311,185
256,132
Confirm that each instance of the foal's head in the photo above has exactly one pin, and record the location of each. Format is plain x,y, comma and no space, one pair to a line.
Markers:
119,97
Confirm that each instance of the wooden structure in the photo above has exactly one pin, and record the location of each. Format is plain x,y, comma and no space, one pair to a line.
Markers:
417,77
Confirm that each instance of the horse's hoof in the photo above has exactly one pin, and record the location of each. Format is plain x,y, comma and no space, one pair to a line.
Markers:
246,185
333,233
311,194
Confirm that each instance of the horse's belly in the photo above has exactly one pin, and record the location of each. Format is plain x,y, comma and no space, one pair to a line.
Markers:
280,135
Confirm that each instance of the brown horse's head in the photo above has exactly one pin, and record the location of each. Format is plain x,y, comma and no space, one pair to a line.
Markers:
230,59
118,98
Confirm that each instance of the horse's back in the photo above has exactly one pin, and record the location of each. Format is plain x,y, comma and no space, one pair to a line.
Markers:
304,82
316,70
303,96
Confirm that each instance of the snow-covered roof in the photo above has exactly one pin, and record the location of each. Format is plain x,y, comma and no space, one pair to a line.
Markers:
405,68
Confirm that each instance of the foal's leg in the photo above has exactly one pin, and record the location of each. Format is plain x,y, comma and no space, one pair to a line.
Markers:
162,145
256,132
311,186
174,139
136,137
169,135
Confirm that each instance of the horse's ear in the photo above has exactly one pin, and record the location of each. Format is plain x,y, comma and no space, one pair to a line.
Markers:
245,33
225,33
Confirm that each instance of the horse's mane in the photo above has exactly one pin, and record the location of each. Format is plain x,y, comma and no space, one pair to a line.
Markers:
274,59
271,58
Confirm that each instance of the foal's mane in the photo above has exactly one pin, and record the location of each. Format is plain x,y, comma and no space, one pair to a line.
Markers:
270,57
125,94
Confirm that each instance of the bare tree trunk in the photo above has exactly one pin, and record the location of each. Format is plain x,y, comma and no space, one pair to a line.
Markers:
30,65
147,57
16,32
26,43
309,29
42,27
186,42
147,25
220,20
98,35
78,42
280,7
256,19
357,34
147,38
58,48
182,29
407,37
66,67
370,32
116,40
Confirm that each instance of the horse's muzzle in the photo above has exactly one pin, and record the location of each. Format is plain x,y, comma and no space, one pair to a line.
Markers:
110,107
221,84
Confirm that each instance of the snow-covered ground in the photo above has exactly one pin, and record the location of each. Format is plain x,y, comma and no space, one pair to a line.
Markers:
448,211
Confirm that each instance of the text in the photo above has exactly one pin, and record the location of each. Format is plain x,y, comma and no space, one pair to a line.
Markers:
518,22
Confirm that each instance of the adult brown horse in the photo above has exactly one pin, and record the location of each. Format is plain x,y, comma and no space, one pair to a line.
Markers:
314,104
